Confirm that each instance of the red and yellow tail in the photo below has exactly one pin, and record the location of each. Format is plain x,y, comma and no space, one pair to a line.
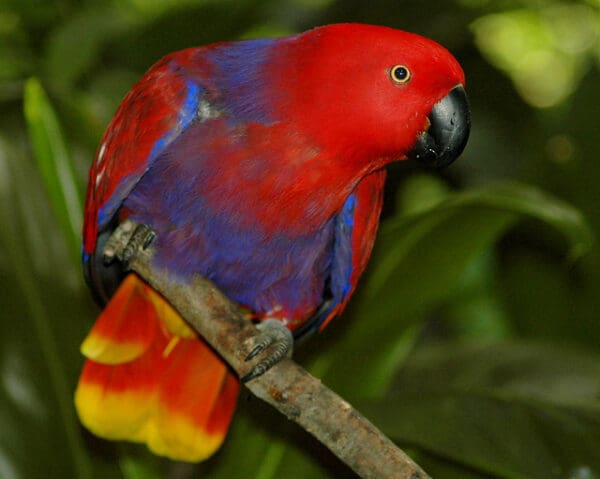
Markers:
149,378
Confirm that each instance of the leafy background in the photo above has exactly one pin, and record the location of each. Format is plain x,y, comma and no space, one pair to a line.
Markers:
474,339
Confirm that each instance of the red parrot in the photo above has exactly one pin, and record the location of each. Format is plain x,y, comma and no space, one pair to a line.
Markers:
259,165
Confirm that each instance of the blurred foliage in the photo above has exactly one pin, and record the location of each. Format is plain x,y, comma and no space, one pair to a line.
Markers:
473,340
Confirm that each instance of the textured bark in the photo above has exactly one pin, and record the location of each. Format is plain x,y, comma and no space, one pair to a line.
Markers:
286,386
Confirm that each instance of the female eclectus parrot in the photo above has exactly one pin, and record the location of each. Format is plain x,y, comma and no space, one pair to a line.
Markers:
259,165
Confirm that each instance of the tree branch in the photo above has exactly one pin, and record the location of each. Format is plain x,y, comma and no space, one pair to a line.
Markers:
286,386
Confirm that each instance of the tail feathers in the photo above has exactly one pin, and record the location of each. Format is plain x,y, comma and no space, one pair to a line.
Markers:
155,381
126,327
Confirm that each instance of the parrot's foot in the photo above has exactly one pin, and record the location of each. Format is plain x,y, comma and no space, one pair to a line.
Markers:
274,338
126,240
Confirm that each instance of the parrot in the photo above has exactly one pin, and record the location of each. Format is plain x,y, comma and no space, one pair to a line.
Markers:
260,165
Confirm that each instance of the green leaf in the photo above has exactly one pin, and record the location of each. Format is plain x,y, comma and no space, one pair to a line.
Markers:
439,241
42,324
420,260
518,411
54,162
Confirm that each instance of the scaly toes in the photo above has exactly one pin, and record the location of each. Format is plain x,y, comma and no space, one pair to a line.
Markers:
126,240
276,340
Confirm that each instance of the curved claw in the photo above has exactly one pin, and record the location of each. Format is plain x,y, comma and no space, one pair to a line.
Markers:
140,239
126,240
274,337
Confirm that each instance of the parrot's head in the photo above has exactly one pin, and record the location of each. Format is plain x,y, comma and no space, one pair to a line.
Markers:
377,94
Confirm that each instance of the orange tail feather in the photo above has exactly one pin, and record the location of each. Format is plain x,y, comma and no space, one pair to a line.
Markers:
153,381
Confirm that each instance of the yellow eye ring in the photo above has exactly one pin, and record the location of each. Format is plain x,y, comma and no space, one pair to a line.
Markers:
399,74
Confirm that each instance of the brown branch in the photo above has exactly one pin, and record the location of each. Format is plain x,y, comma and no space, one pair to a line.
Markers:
286,386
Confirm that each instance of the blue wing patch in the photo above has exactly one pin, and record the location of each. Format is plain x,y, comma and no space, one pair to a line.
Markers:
187,114
102,279
341,269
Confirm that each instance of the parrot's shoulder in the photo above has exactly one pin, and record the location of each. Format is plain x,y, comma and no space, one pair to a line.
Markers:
195,85
159,107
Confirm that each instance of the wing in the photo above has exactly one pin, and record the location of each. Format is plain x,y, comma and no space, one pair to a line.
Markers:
355,230
155,112
183,88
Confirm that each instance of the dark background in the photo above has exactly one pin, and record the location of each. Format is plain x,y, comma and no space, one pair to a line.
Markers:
474,339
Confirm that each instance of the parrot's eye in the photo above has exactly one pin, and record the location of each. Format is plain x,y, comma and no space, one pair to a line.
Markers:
399,74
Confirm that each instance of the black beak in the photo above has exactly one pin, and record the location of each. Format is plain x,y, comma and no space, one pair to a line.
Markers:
447,135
